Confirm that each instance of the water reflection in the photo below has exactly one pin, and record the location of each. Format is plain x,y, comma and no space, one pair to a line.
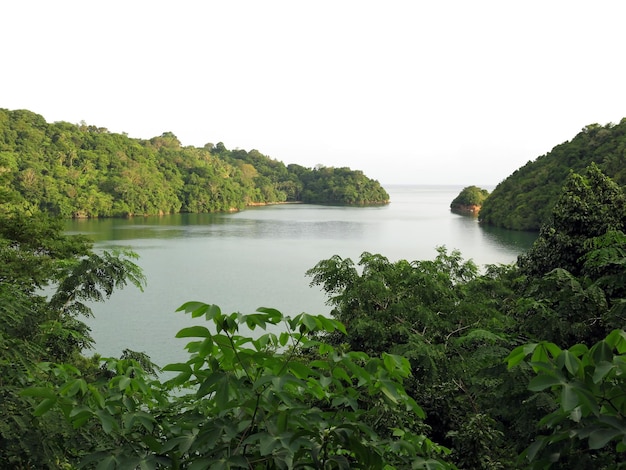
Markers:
513,239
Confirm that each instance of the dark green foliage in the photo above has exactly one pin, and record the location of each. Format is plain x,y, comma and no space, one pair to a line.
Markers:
449,322
525,199
589,206
574,287
316,392
86,171
327,185
35,328
587,427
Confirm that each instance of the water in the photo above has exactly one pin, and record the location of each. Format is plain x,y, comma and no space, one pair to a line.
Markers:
259,257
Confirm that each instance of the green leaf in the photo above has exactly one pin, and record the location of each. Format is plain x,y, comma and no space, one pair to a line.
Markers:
617,339
38,392
214,313
95,393
602,352
107,421
267,444
44,406
300,370
602,370
283,339
273,316
541,382
197,331
123,383
108,463
178,367
570,361
569,399
195,308
601,437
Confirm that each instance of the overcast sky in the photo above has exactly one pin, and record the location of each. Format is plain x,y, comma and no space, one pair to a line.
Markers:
426,92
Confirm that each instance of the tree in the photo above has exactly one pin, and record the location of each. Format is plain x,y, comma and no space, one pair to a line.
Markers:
469,196
448,321
36,328
589,206
249,402
575,270
587,427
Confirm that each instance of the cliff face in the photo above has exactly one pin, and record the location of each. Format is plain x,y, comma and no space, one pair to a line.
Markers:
466,209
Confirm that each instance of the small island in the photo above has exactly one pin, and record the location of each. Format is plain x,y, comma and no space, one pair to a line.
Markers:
469,201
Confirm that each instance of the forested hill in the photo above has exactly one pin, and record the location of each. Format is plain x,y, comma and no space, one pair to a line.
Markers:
86,171
524,200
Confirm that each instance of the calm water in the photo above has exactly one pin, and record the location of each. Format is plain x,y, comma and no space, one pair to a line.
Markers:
259,257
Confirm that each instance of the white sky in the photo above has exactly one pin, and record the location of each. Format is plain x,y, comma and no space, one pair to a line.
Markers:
426,92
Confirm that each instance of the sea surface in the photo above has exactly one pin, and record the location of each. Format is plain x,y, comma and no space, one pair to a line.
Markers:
259,257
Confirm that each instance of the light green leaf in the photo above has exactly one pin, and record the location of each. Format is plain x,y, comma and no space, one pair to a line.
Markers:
197,331
602,370
569,399
569,361
191,307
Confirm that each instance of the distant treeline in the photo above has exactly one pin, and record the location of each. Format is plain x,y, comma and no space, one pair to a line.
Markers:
86,171
524,200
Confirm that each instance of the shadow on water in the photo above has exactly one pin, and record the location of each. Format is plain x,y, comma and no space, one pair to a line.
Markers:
514,239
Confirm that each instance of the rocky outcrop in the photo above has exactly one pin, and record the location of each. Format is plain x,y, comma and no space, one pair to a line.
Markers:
466,209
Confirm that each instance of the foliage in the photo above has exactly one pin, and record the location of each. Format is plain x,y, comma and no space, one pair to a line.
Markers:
470,196
587,428
248,402
589,206
35,327
574,287
447,320
266,391
328,185
525,199
86,171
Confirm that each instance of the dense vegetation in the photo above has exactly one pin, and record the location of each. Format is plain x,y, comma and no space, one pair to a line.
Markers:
426,364
469,199
86,171
525,199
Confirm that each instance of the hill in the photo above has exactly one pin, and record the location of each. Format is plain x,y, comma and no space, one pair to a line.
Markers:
86,171
525,199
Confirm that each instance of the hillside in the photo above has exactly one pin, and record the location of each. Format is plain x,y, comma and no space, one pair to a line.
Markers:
86,171
524,200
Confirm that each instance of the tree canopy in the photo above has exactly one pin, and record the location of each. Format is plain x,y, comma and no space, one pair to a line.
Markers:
425,364
524,200
470,199
86,171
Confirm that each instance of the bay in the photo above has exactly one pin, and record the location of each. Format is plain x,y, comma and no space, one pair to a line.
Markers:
258,257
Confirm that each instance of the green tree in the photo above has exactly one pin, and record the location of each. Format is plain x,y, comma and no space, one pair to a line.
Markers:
449,322
249,402
587,427
574,271
35,327
524,200
470,196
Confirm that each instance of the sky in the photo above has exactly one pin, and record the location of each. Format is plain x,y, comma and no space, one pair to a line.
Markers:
410,92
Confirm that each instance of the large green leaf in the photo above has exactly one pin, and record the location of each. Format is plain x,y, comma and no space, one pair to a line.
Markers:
541,382
197,331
